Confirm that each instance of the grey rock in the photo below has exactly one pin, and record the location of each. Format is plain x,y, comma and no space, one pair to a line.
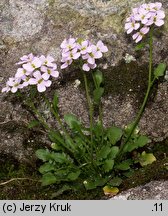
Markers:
154,190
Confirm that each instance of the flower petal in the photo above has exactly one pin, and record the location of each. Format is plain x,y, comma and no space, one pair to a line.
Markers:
91,60
55,74
86,67
20,73
65,65
28,67
14,89
46,76
159,22
130,30
36,62
97,55
37,75
76,55
48,83
33,81
139,38
41,87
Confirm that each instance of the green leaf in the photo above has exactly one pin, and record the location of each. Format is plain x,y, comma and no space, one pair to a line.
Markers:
61,158
92,184
146,158
47,167
113,153
142,141
139,142
103,153
55,137
115,181
55,102
72,121
110,191
48,179
98,130
140,46
98,76
128,129
43,154
114,134
125,165
33,124
108,165
61,191
97,94
73,175
56,147
79,145
159,71
129,173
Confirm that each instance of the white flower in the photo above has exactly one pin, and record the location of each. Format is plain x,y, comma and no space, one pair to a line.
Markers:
129,58
77,83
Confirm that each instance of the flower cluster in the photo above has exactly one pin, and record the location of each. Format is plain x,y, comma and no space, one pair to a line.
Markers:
73,49
142,18
33,70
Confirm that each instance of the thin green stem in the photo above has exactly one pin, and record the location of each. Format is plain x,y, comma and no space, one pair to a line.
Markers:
56,115
61,125
150,84
100,110
38,115
90,113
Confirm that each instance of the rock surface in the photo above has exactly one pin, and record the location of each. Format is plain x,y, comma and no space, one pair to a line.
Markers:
39,26
155,190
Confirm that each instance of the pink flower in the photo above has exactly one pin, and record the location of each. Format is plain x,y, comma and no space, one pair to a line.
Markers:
14,84
73,49
149,7
26,58
31,66
139,35
6,88
157,19
93,54
83,47
22,73
49,72
30,73
73,54
26,81
68,57
48,61
131,25
157,6
101,47
69,44
66,63
39,81
87,67
143,16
